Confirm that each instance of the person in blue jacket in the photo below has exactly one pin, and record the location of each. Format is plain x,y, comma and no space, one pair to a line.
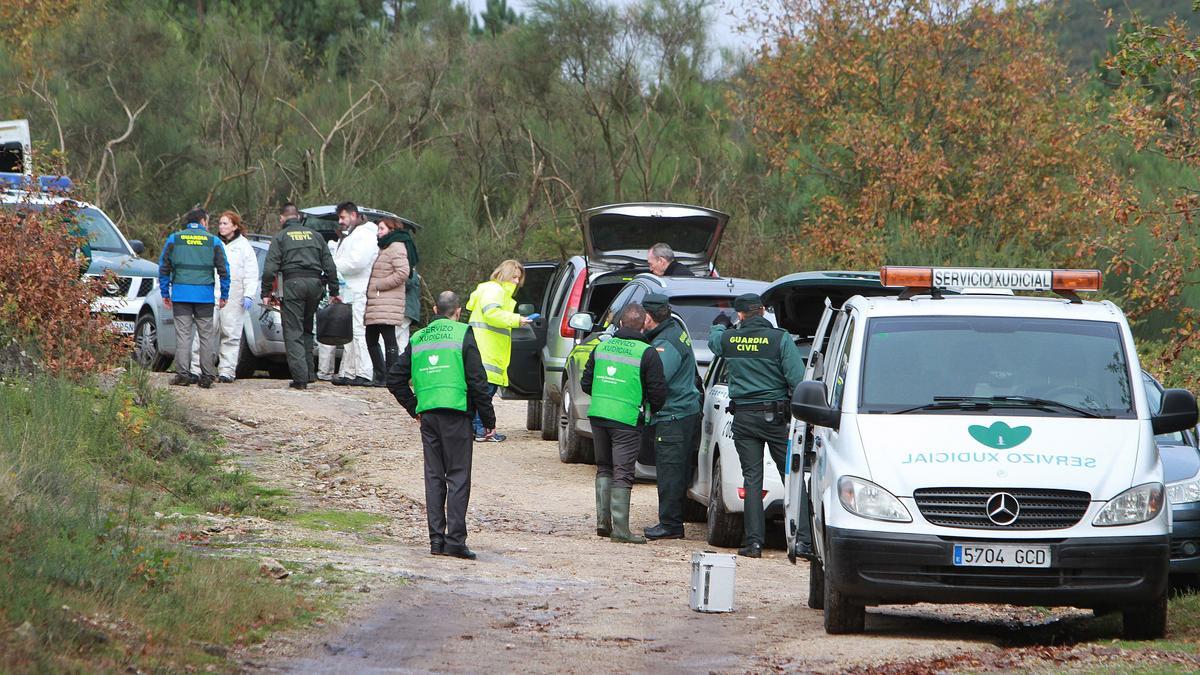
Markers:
185,277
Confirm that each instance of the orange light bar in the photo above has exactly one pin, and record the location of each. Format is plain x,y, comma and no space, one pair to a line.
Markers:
1076,280
906,277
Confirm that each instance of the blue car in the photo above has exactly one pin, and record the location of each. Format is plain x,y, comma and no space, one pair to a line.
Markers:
1180,452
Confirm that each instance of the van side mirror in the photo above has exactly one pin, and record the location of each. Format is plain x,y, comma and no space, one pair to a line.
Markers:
137,246
1176,412
808,405
525,308
581,321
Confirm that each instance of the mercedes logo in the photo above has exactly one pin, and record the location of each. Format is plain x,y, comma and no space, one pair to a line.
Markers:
1002,508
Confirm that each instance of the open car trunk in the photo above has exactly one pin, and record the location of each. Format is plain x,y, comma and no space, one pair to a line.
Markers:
324,219
798,300
619,235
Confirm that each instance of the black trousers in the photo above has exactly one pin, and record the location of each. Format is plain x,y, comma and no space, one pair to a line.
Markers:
750,432
674,439
301,296
447,439
616,452
379,363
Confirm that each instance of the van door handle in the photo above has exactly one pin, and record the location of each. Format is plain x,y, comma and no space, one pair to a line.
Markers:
817,442
716,406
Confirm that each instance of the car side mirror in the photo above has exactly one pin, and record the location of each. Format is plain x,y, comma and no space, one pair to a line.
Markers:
808,405
581,321
137,246
525,309
1176,412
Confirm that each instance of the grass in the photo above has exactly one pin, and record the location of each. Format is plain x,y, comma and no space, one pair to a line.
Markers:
340,521
81,470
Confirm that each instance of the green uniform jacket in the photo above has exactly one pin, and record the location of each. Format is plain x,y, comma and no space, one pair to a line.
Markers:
301,251
764,364
674,347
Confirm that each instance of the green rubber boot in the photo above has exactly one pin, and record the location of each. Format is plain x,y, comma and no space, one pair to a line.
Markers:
603,507
620,517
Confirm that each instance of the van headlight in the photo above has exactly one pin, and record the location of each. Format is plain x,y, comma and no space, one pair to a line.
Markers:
1135,505
1184,491
866,499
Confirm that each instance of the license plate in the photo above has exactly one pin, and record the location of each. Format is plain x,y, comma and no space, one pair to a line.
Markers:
123,327
1001,555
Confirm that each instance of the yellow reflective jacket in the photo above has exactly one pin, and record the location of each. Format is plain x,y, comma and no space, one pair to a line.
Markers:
492,319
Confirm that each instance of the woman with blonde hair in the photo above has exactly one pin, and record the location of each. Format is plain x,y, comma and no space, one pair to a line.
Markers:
492,321
387,299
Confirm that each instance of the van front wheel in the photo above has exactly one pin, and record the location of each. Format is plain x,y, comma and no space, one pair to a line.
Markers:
1145,622
841,615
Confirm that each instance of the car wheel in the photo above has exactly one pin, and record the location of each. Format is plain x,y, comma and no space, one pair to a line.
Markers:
145,345
572,448
724,528
247,363
533,415
1145,622
549,416
841,615
816,585
694,511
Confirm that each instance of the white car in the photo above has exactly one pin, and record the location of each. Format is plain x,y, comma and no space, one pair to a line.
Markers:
983,448
715,496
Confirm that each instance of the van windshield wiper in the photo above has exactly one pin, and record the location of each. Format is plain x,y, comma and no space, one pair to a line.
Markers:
1035,402
989,402
949,403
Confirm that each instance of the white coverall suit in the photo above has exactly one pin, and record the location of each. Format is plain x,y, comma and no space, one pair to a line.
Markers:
244,282
354,256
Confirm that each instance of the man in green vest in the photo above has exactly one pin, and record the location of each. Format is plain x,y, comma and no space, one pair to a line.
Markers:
299,254
185,279
624,376
675,425
764,367
440,381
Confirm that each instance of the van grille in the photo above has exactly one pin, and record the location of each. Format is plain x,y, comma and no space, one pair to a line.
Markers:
967,507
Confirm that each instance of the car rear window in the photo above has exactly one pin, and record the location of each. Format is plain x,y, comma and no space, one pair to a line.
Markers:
698,312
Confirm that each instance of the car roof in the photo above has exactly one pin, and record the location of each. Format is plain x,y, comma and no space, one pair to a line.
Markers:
329,212
968,304
40,199
681,286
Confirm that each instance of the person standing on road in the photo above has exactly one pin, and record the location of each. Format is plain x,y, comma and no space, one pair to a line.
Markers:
493,320
624,376
243,288
764,367
355,256
300,255
386,301
185,278
661,260
448,387
674,426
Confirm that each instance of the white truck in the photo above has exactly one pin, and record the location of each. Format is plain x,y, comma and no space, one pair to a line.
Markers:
15,148
984,446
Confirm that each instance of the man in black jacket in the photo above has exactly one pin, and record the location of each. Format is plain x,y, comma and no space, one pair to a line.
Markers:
629,387
662,262
440,381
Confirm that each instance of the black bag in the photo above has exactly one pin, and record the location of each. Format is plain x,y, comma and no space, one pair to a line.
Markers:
335,324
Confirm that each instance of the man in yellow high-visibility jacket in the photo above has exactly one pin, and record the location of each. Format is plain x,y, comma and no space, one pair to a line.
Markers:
492,321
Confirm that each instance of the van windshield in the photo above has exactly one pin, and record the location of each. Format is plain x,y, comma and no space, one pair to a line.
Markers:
102,234
913,363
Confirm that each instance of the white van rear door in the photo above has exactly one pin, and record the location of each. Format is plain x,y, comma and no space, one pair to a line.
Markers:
15,150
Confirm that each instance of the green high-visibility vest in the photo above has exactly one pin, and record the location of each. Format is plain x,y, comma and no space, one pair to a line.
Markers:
617,381
192,258
438,376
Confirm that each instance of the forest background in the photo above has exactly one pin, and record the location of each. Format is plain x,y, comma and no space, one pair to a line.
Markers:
858,133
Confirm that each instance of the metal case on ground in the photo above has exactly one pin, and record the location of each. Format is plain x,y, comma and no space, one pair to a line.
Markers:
712,581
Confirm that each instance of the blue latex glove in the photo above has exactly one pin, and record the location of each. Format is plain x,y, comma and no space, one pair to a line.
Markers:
247,303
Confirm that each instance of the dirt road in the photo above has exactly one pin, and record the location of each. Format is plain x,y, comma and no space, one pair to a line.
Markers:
546,594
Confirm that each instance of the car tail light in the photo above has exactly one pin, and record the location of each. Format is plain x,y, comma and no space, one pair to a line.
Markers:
742,493
573,301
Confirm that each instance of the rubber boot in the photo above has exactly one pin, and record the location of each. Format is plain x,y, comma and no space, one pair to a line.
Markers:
620,517
603,504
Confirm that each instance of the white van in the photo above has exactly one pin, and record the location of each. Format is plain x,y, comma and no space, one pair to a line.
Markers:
982,447
15,148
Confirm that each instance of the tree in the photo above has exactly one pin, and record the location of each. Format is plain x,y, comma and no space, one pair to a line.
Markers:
496,17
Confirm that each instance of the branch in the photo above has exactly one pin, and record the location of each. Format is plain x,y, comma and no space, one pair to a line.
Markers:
108,146
216,186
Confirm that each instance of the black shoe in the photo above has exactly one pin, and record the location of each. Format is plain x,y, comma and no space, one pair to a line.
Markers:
660,531
751,551
379,383
181,380
225,379
437,548
359,382
805,551
459,552
340,381
298,385
206,382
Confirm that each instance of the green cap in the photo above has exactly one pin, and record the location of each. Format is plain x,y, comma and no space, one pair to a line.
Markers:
747,301
655,301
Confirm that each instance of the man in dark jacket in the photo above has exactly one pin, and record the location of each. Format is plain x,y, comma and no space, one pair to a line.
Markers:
301,256
764,367
624,376
662,262
448,385
185,278
675,424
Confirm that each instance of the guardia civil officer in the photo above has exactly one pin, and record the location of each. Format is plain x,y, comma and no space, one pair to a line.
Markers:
624,375
449,385
185,278
674,426
764,367
300,255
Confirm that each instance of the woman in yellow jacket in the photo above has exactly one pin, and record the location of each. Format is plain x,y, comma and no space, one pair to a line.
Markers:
492,321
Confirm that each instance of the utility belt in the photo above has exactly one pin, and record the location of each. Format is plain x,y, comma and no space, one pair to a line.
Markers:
302,274
773,412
